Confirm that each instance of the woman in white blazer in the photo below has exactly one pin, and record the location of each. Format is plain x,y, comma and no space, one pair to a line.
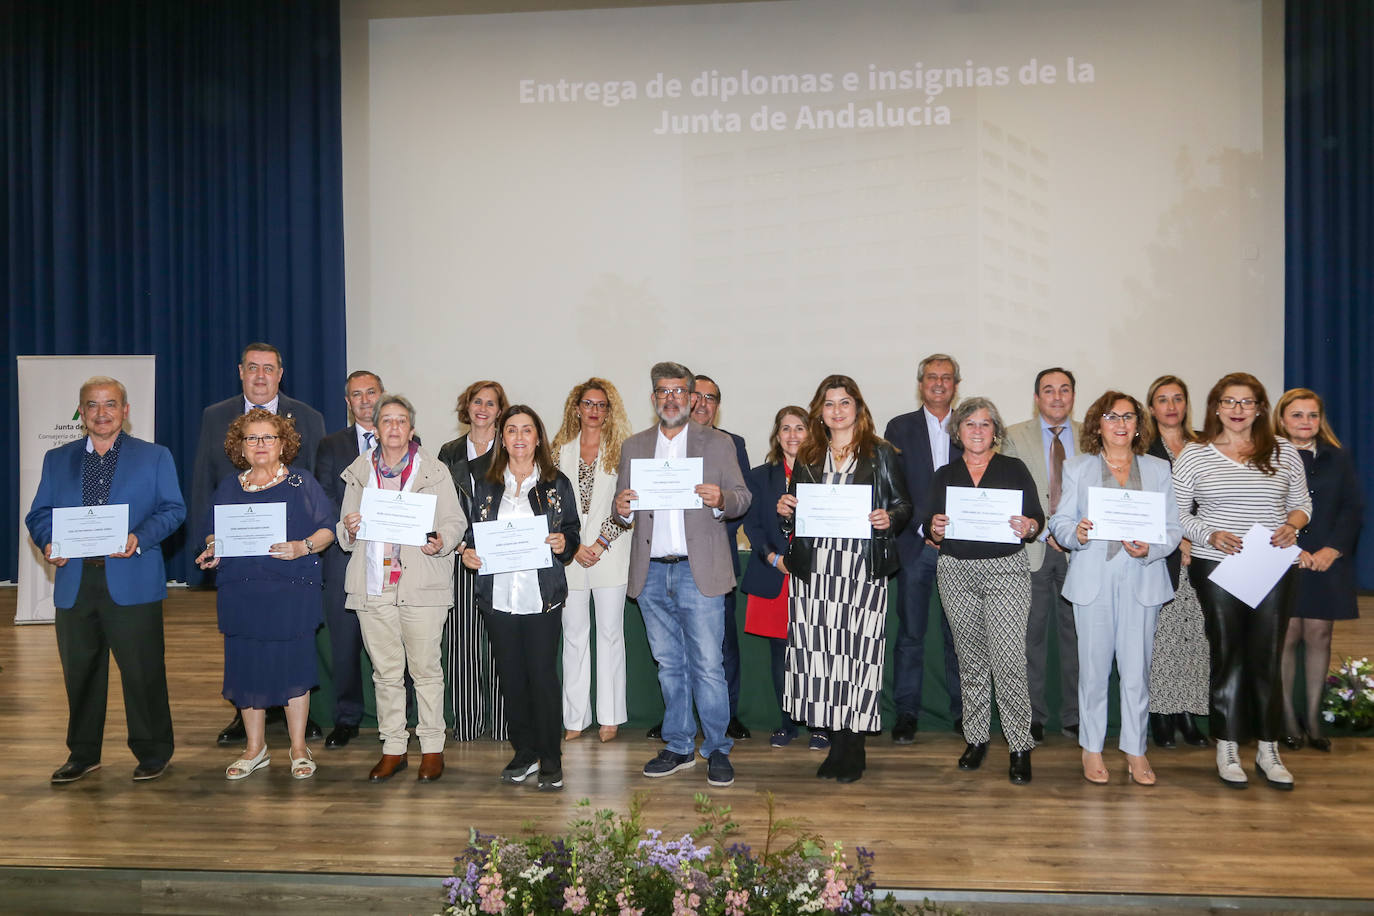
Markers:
588,451
1116,587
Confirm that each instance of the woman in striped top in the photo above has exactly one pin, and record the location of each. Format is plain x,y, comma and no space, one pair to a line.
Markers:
1239,475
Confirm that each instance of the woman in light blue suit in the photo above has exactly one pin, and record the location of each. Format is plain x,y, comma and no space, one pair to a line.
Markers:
1116,587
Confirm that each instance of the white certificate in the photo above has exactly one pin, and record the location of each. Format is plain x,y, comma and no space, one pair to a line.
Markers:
512,544
397,516
249,529
834,510
90,531
982,514
1126,515
1250,574
665,483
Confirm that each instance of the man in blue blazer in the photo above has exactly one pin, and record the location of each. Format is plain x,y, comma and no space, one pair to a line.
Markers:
922,437
260,374
111,603
704,412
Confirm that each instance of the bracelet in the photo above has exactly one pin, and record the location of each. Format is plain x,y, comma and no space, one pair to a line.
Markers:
776,558
605,544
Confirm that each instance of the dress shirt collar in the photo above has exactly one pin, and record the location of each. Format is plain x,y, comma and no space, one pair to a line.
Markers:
271,405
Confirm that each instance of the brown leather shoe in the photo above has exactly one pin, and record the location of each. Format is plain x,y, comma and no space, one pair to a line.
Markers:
387,767
431,766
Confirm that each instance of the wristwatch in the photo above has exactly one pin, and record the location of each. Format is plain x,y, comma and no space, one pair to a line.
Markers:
309,545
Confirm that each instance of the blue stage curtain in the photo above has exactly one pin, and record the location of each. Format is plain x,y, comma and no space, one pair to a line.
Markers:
1329,326
174,187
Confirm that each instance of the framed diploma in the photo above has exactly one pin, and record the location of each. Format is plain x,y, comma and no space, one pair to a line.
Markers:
396,517
249,529
1126,515
666,483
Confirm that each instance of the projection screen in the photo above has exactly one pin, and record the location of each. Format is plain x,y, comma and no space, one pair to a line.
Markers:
771,192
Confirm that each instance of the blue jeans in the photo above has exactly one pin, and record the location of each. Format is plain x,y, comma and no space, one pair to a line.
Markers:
685,630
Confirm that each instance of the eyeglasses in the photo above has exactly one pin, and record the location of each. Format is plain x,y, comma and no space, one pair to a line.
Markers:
595,405
260,440
664,393
712,398
1242,403
1119,417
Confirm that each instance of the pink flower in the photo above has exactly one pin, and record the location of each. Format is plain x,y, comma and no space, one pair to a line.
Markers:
575,898
492,895
736,903
833,892
685,904
622,900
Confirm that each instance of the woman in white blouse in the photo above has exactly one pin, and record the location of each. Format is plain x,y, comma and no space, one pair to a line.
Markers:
1238,475
588,451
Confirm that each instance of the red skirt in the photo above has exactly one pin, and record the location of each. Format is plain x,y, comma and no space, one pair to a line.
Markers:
767,616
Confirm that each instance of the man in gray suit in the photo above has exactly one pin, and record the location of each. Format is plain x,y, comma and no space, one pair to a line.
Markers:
1044,443
679,569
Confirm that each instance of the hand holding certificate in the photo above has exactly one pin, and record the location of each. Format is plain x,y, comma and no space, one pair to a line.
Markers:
249,530
1252,573
834,510
1126,515
666,483
511,545
397,516
90,531
982,514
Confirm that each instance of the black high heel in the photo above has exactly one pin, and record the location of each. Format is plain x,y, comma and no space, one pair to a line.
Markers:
1319,743
1188,728
1162,729
1293,742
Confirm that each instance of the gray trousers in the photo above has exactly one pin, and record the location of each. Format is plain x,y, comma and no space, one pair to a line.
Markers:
1046,603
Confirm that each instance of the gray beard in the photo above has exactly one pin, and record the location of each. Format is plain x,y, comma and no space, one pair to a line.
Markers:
674,424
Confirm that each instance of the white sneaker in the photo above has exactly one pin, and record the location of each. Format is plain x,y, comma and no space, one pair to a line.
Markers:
1228,765
1271,767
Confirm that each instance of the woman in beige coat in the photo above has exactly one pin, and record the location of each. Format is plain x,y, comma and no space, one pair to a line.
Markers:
402,593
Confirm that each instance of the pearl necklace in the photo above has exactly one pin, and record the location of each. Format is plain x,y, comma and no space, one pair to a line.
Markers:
254,487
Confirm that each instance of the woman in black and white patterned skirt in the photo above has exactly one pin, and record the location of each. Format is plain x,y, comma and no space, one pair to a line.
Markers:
985,586
838,606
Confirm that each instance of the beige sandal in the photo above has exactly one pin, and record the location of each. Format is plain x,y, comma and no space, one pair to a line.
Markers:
1094,770
303,767
244,766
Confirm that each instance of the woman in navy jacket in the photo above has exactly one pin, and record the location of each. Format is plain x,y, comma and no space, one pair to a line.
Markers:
1326,577
765,578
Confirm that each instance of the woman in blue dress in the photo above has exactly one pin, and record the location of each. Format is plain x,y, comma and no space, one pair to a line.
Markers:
270,606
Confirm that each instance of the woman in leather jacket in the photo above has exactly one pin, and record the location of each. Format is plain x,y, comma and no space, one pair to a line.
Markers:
523,609
837,631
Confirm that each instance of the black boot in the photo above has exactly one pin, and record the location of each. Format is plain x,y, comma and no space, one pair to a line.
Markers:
1187,727
1162,729
833,764
855,758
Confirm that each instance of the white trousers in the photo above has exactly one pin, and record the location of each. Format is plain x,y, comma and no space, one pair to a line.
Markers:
398,637
610,657
1114,625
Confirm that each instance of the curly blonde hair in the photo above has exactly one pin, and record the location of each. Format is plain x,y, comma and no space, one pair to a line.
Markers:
285,427
614,429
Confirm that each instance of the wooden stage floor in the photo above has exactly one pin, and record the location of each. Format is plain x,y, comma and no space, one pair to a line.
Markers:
932,827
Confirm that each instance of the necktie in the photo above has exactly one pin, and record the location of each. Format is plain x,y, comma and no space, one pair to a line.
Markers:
1056,468
367,441
258,407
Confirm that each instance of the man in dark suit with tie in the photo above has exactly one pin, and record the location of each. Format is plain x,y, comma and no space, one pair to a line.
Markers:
111,603
704,412
260,374
922,437
337,451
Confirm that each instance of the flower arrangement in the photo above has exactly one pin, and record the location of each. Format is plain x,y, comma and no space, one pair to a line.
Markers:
1349,698
610,865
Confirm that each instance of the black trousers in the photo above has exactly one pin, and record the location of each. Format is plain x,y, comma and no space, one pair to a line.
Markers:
87,632
525,650
1246,646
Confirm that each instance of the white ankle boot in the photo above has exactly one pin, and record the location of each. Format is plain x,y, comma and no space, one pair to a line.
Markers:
1228,765
1271,767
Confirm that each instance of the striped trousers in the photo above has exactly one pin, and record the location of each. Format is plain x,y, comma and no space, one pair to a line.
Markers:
474,689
